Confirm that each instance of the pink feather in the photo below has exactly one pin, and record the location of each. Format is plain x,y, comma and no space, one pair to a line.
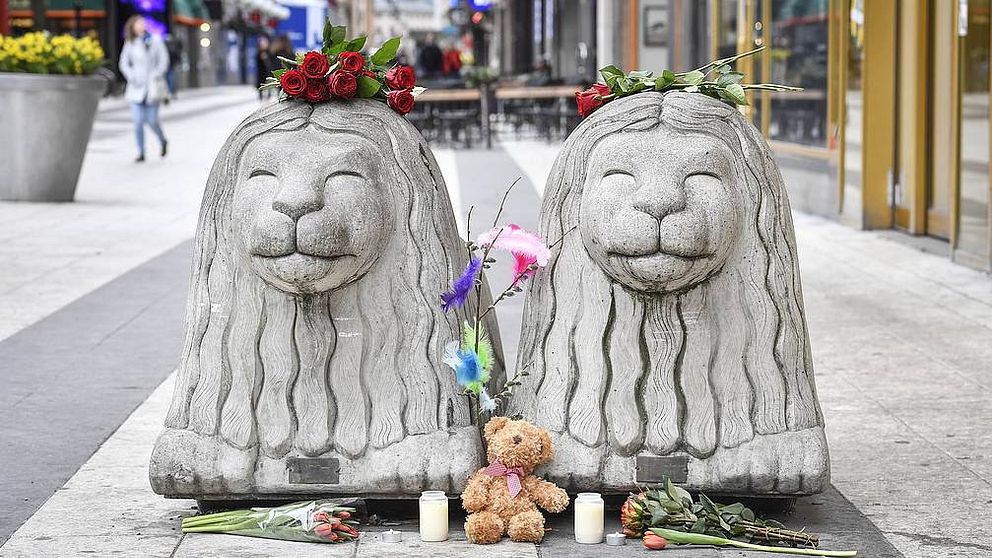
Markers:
517,241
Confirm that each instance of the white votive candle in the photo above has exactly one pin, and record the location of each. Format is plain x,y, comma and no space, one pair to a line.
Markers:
589,523
433,516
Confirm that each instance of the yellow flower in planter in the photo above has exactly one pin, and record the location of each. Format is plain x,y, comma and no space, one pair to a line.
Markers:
41,53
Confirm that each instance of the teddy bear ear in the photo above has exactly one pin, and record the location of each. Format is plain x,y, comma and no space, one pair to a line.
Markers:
494,425
547,448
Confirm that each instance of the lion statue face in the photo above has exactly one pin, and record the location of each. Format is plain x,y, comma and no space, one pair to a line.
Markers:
315,219
660,217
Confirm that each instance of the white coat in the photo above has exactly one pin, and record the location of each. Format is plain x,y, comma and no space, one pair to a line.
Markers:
144,63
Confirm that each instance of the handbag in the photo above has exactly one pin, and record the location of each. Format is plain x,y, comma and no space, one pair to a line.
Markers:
158,90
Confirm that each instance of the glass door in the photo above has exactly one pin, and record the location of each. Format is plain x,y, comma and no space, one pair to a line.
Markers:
972,238
944,115
853,55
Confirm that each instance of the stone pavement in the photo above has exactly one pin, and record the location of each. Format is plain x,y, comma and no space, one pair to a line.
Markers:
91,295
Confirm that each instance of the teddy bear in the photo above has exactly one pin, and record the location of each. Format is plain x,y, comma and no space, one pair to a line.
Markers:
503,498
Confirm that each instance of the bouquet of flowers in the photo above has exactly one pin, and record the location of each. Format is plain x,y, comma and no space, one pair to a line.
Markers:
669,512
471,357
316,521
339,70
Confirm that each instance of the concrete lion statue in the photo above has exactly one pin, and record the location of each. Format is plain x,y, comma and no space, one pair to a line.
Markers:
668,337
312,359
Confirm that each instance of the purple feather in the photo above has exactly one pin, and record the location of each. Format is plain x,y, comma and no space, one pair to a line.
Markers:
462,286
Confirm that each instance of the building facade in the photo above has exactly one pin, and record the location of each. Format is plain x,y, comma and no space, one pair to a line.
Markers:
893,128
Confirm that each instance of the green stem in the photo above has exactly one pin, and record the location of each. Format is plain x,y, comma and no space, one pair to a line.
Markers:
679,537
727,60
224,528
770,87
209,519
789,550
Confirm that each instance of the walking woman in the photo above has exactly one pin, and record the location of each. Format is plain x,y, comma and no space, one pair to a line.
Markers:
144,62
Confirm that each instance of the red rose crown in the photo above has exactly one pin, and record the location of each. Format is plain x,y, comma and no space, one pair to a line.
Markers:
339,70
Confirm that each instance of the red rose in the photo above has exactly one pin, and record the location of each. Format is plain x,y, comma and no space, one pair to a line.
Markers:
343,84
587,101
602,89
293,82
369,73
401,77
351,61
315,65
401,101
316,91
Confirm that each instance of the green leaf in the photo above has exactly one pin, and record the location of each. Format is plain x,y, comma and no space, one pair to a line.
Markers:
733,509
666,78
356,44
637,86
367,87
671,506
278,73
728,78
694,77
722,69
658,517
735,94
327,34
677,494
338,33
610,71
386,52
698,527
747,514
639,74
707,504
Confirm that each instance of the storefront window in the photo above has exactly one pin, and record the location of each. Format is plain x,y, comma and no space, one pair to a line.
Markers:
727,33
799,57
973,237
852,109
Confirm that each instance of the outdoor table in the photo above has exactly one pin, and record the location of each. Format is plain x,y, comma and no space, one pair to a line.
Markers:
473,95
561,93
540,92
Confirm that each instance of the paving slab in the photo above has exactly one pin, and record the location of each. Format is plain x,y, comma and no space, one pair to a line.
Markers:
72,378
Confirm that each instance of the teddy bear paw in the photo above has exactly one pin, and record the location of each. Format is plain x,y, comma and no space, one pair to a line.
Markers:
527,526
484,528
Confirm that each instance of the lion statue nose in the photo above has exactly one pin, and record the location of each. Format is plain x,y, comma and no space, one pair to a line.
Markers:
297,201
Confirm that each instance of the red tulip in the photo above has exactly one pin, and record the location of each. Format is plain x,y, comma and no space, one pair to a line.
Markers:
653,542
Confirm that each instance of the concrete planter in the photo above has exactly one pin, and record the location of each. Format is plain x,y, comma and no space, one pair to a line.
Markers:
45,124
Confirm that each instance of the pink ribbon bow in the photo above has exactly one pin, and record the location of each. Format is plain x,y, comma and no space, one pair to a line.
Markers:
513,476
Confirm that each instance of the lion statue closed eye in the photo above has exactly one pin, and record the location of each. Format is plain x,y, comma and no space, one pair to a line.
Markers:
312,360
668,337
